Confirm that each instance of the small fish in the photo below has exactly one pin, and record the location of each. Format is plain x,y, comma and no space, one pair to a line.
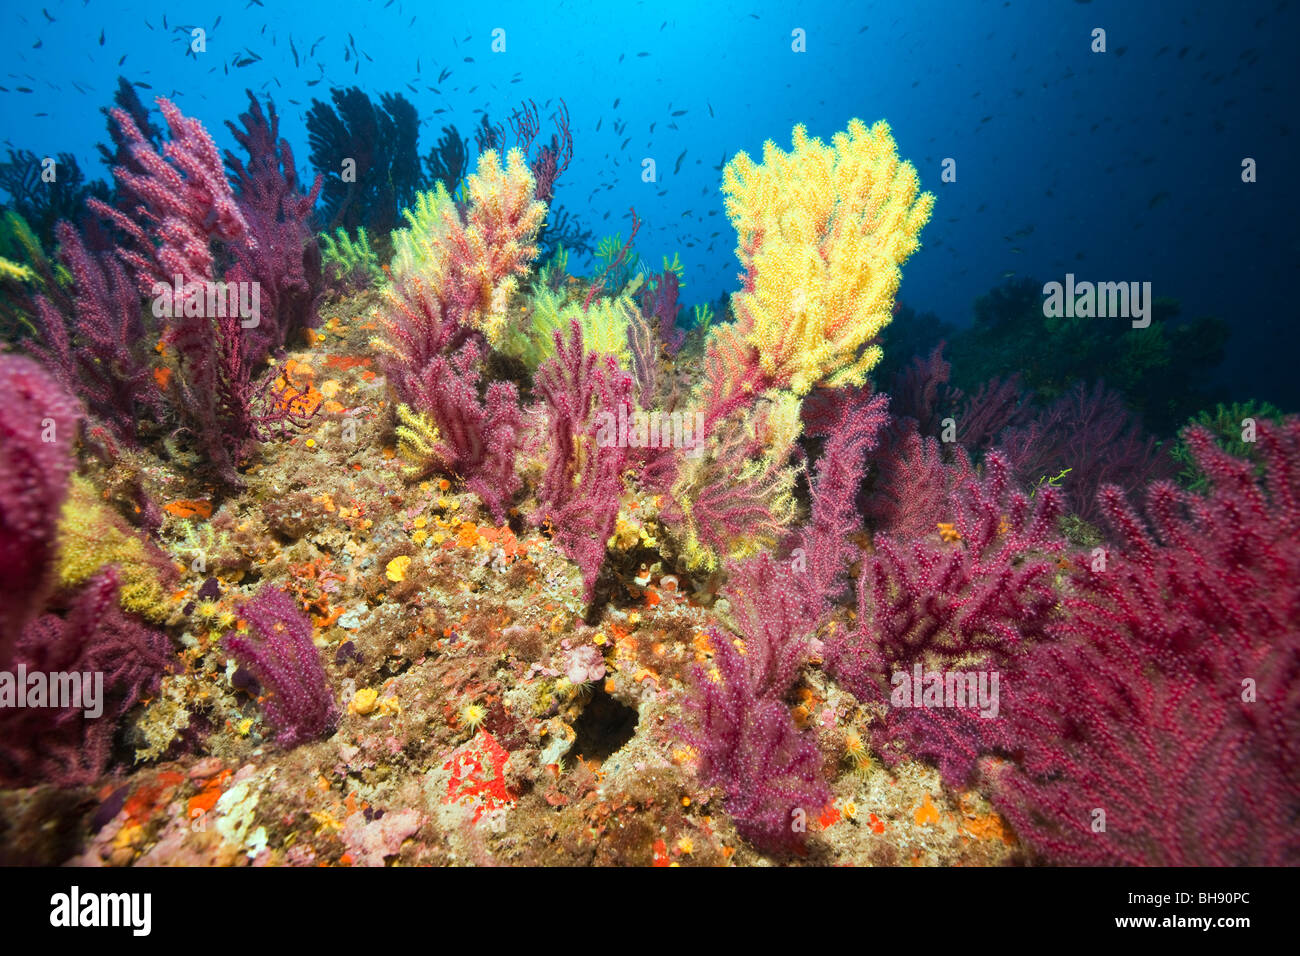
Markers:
598,122
38,44
47,14
469,59
294,50
625,142
679,112
1157,200
679,161
710,106
643,53
101,37
617,100
121,61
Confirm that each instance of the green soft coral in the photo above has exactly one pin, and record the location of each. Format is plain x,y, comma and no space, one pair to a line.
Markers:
342,256
414,246
604,327
1233,427
677,269
93,536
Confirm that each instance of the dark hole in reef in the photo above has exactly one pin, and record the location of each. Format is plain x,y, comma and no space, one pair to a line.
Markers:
603,727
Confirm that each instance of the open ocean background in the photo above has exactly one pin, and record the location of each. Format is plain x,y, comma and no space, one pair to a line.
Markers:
1123,166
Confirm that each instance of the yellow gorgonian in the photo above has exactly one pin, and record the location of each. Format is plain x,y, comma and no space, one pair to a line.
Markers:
823,231
473,266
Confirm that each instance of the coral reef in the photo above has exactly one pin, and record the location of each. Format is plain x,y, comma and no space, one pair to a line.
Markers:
486,557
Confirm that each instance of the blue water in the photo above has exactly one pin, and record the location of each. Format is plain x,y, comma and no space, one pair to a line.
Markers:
1122,166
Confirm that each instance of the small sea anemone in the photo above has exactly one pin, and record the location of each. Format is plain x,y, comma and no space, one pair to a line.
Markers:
472,715
207,611
856,750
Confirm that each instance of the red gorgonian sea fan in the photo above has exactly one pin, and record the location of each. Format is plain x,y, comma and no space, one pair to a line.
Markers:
1093,434
178,208
123,659
279,652
748,743
283,256
38,422
101,351
972,603
1170,709
851,421
583,482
